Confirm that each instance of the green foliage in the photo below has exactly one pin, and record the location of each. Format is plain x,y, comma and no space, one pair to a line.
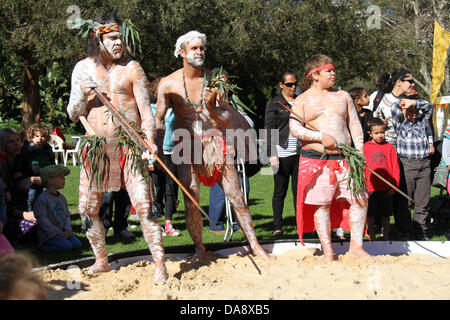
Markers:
356,166
130,32
10,90
256,40
225,86
95,160
10,123
54,92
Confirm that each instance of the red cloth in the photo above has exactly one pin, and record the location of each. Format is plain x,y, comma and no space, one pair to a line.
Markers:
339,210
58,132
381,158
209,181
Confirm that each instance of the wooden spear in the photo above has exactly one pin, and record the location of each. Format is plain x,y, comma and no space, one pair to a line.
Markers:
144,146
365,165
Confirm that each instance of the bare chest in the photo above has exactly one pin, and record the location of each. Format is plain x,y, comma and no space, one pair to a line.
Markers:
327,109
113,80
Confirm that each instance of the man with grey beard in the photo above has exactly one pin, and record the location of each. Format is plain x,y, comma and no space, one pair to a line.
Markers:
200,111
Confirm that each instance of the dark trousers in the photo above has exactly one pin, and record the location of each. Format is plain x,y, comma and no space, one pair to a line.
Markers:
400,207
418,184
122,204
166,189
288,168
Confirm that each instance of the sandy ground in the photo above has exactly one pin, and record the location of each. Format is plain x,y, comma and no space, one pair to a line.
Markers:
296,274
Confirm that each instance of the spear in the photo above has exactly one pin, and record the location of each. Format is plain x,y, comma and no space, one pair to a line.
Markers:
365,165
144,146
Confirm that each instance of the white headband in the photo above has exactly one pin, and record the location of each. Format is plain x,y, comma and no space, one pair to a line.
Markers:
188,38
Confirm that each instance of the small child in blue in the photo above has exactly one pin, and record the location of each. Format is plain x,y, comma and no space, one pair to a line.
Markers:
52,214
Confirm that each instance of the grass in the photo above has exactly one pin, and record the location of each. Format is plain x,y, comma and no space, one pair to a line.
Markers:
260,203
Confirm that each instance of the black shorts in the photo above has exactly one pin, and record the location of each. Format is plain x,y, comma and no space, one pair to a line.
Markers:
380,204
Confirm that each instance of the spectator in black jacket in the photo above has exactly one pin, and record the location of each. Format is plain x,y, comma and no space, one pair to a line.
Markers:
282,148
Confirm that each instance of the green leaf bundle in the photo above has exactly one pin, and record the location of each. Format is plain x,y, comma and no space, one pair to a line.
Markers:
217,80
93,157
356,164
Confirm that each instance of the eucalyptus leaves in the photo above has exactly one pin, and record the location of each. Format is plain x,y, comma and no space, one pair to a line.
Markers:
356,164
93,158
130,32
220,80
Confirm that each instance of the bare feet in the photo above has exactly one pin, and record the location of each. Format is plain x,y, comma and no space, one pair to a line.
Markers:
358,252
99,266
199,254
259,251
329,256
160,274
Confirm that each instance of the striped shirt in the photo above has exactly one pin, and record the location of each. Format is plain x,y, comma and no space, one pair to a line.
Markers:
413,138
291,148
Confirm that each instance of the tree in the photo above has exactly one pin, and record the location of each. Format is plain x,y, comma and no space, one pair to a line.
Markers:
35,32
413,36
255,40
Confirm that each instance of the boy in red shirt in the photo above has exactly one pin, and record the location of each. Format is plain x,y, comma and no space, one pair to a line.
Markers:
381,157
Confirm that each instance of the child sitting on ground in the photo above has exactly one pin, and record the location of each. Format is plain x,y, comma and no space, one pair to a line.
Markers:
381,157
361,99
36,154
53,216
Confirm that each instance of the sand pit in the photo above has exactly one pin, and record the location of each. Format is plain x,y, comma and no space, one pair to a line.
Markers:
297,273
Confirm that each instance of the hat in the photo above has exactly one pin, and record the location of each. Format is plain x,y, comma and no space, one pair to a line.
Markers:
52,171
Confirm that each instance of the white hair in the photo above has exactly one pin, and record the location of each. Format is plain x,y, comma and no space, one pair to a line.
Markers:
188,38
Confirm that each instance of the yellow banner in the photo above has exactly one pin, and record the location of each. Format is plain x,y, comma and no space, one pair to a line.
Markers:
440,46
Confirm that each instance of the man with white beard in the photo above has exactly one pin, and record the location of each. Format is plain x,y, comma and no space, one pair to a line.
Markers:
199,113
122,80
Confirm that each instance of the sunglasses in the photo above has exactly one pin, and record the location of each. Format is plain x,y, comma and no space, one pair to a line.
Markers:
409,80
290,84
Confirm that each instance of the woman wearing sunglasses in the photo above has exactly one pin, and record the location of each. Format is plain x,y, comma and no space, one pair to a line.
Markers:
393,88
283,152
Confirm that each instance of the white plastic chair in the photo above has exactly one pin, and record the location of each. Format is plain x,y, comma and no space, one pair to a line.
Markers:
57,145
73,152
240,169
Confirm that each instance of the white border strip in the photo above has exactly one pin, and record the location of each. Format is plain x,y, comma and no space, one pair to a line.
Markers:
436,248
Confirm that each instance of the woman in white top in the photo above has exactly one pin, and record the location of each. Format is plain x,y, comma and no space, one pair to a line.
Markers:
394,87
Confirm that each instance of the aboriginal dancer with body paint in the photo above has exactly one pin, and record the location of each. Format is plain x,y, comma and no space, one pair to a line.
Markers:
111,70
324,201
201,149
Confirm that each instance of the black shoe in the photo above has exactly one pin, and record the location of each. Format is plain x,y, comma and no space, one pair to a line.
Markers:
404,236
421,237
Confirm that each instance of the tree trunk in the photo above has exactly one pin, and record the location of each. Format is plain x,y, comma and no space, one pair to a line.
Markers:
423,64
31,101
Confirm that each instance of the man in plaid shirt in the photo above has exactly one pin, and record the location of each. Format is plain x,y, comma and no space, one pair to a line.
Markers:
411,121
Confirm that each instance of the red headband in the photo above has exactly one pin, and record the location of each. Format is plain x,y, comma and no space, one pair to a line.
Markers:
325,66
105,29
